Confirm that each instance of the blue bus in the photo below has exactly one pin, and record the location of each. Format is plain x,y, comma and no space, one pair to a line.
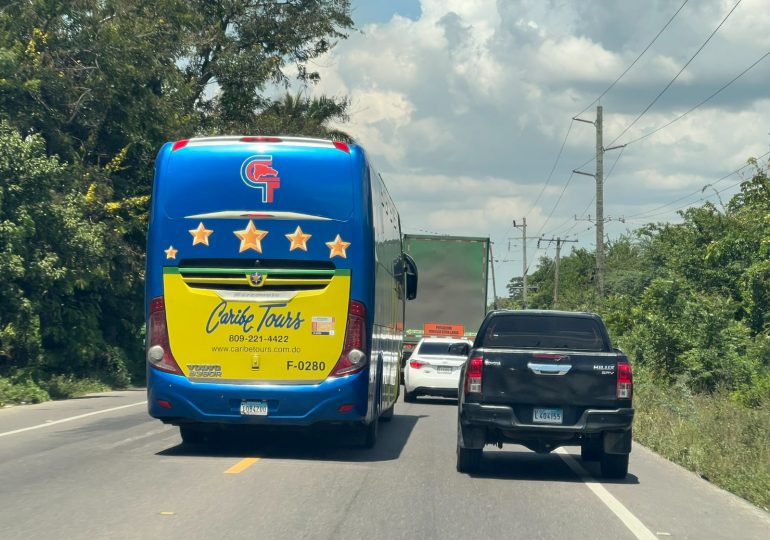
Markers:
275,286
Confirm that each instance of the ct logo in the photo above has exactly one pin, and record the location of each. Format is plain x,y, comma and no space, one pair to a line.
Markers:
257,172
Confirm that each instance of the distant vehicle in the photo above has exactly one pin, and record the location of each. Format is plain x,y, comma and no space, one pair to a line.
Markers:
453,287
434,368
275,286
545,379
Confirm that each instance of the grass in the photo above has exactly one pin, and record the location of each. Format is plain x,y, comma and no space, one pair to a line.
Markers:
17,392
714,436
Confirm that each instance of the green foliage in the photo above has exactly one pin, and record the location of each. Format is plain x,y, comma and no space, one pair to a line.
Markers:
20,391
67,386
712,435
89,91
689,302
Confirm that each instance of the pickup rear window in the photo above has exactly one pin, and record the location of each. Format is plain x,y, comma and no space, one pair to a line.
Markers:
544,332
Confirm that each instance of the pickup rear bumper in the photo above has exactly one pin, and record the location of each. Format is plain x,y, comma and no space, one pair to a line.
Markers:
504,418
492,424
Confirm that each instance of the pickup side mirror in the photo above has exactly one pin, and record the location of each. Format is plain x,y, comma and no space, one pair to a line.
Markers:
411,277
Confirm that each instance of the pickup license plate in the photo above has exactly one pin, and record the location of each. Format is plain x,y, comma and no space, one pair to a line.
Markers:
444,370
547,416
254,408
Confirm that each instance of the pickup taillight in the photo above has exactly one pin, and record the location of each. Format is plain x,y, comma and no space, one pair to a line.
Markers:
473,375
625,381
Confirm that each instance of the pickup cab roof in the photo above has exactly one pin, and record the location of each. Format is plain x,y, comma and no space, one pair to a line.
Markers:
543,329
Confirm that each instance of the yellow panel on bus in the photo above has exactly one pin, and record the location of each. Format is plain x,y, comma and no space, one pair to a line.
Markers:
256,336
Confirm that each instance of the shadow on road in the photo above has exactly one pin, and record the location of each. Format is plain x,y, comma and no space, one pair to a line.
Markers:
530,466
316,443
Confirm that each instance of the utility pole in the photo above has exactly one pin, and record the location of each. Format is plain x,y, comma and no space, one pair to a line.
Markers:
524,239
599,176
494,287
559,242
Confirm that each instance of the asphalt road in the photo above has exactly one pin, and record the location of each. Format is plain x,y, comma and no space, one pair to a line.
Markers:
99,467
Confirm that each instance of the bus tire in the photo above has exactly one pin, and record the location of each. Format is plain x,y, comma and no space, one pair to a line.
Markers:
371,432
387,416
192,435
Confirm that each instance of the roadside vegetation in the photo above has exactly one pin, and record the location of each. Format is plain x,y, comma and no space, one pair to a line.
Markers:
89,92
690,305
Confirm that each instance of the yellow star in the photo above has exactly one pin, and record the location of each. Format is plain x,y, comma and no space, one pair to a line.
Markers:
170,252
251,238
298,239
201,234
337,248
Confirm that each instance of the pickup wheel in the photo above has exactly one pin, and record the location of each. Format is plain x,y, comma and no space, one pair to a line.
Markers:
468,459
614,465
591,450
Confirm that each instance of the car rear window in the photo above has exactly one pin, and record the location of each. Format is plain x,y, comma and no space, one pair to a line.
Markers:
454,349
544,332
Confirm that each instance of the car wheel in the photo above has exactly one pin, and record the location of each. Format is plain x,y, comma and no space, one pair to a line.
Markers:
591,450
409,397
192,435
614,465
468,459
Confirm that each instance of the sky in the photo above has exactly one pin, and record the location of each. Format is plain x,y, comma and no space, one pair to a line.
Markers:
464,107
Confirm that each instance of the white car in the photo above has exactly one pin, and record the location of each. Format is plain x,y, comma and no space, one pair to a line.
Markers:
434,367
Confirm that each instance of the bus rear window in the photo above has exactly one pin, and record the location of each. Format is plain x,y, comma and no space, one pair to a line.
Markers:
544,332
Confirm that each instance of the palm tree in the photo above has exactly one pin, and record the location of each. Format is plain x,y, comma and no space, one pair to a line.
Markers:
302,116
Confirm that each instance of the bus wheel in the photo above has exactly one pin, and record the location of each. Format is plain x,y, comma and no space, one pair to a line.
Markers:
192,435
387,416
370,433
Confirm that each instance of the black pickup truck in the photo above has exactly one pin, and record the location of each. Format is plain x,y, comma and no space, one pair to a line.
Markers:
545,379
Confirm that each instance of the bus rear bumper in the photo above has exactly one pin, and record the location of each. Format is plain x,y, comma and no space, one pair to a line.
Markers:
176,400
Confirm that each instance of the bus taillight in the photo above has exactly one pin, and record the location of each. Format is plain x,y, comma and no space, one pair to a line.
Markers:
159,352
353,357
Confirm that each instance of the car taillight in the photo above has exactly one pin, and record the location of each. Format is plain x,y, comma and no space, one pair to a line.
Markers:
473,375
159,351
416,364
625,381
353,357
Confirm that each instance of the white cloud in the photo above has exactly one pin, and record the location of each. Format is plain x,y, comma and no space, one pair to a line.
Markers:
465,108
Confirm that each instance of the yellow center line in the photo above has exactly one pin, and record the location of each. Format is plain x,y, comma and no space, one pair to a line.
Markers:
242,465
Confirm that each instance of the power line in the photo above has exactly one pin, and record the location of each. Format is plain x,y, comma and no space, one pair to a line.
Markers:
555,163
741,74
636,60
652,212
665,88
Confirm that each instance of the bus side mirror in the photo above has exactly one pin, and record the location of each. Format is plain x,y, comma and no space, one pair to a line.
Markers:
411,277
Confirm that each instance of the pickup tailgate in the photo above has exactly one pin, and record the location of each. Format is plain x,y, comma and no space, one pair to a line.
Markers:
526,378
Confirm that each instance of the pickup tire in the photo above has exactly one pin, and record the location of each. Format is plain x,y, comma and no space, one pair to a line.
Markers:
614,465
410,397
591,450
468,459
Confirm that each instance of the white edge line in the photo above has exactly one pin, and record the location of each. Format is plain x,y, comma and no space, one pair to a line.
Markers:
70,419
633,523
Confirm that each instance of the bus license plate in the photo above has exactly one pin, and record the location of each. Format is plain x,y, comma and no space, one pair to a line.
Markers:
254,408
547,416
